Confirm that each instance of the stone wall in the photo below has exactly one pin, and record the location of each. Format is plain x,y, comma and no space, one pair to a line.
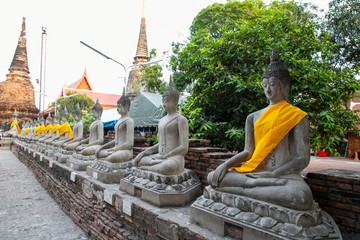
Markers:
105,212
99,208
338,193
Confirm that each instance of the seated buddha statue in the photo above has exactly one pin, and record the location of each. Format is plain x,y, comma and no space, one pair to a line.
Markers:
276,149
47,129
121,148
54,131
14,130
96,138
167,156
78,130
39,130
65,131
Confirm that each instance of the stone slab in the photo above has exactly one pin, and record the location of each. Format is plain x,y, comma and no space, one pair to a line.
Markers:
107,177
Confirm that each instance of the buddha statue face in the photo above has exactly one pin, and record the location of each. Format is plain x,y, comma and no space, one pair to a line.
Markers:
97,110
169,104
121,109
78,113
273,89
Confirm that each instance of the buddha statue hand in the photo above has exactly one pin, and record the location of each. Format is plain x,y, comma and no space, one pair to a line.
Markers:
219,174
264,174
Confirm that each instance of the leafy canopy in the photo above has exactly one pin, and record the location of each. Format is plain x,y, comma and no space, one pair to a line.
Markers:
229,49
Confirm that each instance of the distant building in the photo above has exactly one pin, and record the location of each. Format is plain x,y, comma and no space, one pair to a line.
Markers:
17,91
141,56
82,86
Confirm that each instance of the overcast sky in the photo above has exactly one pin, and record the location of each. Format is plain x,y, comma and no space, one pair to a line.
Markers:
111,26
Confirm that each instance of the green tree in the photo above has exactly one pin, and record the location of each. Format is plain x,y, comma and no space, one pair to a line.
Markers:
85,103
343,21
151,76
229,49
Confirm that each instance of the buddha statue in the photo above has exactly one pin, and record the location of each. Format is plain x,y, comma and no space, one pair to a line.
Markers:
71,143
54,131
121,148
96,139
39,130
167,156
276,149
14,130
65,131
47,129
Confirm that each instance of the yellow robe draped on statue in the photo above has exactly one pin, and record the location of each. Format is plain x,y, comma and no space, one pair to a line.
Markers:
271,127
40,129
26,130
66,128
55,128
17,126
48,128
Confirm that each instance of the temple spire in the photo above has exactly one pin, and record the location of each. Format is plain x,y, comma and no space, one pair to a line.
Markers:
19,64
142,49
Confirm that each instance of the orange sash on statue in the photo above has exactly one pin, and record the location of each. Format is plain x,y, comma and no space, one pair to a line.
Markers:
40,129
17,126
26,130
271,127
55,128
66,128
47,128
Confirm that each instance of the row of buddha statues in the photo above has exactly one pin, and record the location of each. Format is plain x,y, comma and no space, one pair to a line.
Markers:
260,186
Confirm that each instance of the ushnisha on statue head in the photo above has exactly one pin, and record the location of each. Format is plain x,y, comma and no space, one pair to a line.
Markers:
15,114
48,119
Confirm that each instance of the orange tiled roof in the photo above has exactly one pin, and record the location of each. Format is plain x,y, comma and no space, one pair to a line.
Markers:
107,100
82,83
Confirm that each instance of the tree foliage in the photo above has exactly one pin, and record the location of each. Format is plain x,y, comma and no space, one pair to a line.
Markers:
151,77
343,21
229,49
85,104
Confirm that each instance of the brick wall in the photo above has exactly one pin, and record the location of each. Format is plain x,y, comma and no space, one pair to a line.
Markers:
338,193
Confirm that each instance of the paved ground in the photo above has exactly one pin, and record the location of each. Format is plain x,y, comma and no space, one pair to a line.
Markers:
26,210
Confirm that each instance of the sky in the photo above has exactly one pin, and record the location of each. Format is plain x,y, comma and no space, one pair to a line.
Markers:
110,26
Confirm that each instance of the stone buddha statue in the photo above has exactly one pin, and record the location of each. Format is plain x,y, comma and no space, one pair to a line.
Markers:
96,139
276,149
14,130
47,130
54,131
167,156
78,130
39,130
121,148
65,131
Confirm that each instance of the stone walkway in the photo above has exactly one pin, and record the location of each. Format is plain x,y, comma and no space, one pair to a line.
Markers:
27,211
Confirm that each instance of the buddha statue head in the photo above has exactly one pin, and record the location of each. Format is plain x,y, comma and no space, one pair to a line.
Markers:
171,95
124,101
278,70
65,115
97,110
57,118
48,119
15,115
78,112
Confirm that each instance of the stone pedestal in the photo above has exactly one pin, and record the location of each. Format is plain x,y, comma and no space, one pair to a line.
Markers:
254,219
80,162
108,172
62,155
162,190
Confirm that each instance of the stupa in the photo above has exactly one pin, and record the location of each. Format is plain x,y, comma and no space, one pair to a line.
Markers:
17,91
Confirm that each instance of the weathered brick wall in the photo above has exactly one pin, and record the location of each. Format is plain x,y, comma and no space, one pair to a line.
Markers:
83,201
338,193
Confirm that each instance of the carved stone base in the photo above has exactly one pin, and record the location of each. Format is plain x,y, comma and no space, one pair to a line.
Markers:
255,219
80,162
162,190
62,155
108,172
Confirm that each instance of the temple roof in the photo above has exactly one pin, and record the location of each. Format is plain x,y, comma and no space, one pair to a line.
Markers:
82,83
